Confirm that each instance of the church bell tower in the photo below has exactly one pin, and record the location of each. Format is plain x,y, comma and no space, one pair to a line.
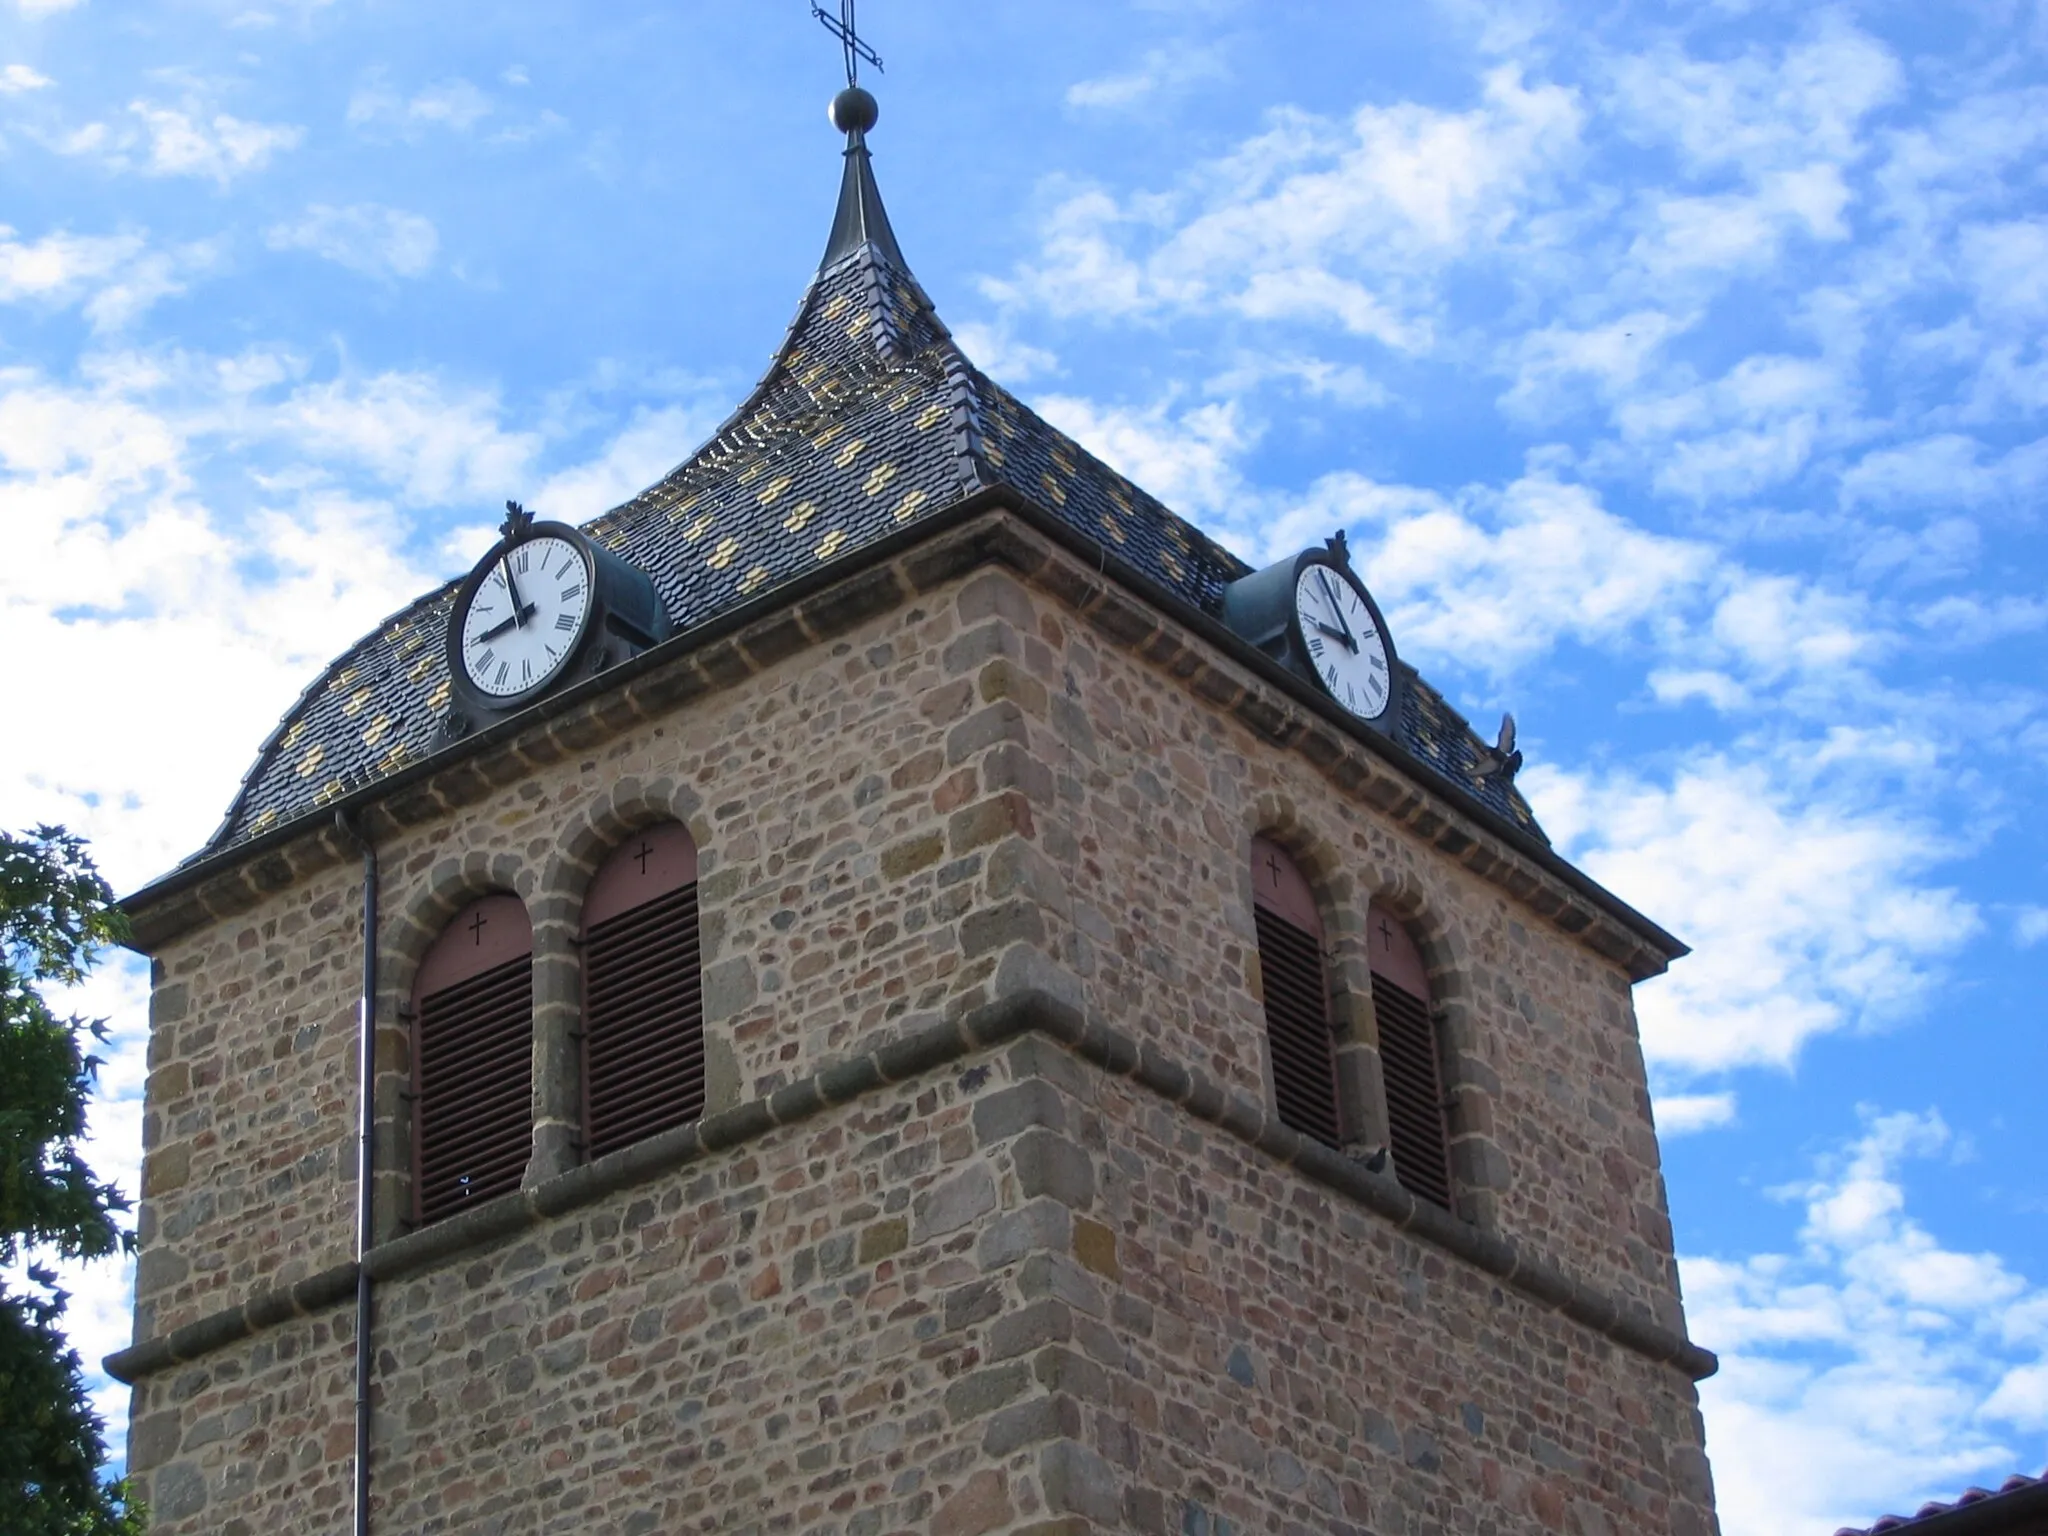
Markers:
887,984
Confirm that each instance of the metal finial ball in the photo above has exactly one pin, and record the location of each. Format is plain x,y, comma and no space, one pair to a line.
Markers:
854,110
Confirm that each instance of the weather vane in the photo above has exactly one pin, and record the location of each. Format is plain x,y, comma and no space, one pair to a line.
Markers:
842,27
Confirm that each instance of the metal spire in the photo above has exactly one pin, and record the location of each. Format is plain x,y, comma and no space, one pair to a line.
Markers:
860,219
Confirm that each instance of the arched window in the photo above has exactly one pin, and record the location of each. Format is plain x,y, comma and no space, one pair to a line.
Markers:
1409,1063
473,1059
643,998
1298,1033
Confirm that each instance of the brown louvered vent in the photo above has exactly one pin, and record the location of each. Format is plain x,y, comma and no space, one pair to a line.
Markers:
1298,1028
1298,1035
1415,1094
473,1054
643,998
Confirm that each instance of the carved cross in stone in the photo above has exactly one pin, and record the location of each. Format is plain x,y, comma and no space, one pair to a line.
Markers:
476,928
1387,932
646,852
1273,867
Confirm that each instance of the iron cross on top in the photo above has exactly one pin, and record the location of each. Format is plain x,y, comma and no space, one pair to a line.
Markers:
850,40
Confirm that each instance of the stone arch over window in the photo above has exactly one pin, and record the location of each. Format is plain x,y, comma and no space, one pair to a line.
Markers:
472,1058
643,994
1300,1039
1411,1060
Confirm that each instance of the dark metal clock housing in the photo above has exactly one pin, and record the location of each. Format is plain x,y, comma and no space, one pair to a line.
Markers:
625,615
1262,608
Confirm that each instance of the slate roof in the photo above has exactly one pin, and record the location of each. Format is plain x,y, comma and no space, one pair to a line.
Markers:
2009,1508
869,418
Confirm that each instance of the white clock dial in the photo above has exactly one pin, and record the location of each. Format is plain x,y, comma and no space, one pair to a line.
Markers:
1345,646
526,616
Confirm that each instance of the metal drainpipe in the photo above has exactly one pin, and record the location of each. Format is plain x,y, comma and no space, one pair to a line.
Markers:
366,1069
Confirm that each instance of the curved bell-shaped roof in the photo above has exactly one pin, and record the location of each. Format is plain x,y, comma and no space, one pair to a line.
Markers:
869,418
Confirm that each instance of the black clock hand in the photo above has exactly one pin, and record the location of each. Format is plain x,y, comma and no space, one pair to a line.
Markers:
1335,634
520,611
504,624
1323,580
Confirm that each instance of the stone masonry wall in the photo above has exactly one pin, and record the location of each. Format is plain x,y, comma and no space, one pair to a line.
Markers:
248,1173
1012,1295
972,792
1137,802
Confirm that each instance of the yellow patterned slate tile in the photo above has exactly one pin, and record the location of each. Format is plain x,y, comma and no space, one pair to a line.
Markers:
880,476
683,509
356,701
837,307
1053,489
291,737
722,556
849,453
753,578
812,374
858,323
831,543
907,507
697,529
805,511
377,731
830,435
932,415
438,699
329,792
993,452
1114,529
1174,568
773,489
395,759
345,678
898,401
263,822
420,669
310,763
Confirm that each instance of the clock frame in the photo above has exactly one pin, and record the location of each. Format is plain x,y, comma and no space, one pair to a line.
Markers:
1262,607
622,616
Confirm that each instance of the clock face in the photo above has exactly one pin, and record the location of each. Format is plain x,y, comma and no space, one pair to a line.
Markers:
526,616
1344,642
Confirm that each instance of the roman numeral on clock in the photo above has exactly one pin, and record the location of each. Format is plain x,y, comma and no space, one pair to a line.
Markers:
565,621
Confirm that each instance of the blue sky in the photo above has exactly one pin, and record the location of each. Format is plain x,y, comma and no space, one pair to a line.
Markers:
1679,371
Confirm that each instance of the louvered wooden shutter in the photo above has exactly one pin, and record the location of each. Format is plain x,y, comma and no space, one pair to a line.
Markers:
1409,1063
473,1056
1298,1035
643,997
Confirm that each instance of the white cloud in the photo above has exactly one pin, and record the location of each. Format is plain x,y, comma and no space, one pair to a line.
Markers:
1495,579
45,7
365,237
187,142
2030,926
1873,1367
1188,459
115,277
1314,221
434,445
454,104
1804,897
1162,71
16,78
1002,356
648,447
2007,265
1681,1114
1610,358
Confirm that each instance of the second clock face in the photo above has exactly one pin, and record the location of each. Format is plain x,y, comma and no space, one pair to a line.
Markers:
525,617
1345,645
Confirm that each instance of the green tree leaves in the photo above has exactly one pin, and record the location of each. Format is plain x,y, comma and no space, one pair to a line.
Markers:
55,914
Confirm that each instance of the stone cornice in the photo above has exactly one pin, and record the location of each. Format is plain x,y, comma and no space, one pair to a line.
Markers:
1535,1276
991,529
